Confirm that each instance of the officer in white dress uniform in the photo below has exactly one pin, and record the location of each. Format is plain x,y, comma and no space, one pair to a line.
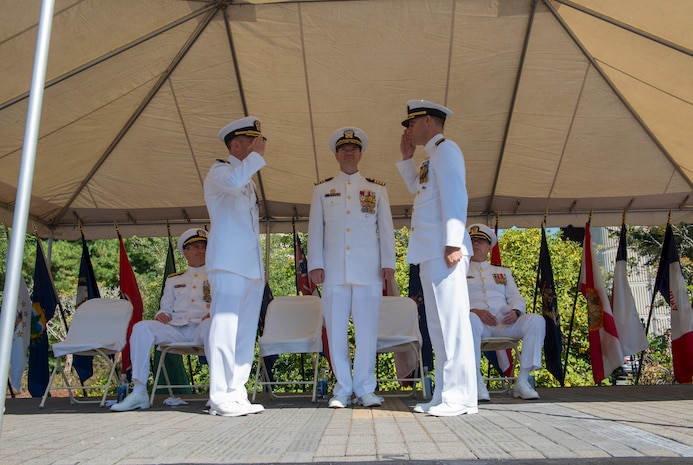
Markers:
498,310
234,264
351,250
183,316
440,244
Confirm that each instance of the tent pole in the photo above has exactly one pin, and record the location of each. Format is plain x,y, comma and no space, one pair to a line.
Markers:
21,211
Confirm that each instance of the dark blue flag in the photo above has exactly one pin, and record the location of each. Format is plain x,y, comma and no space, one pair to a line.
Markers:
86,289
267,297
553,341
44,300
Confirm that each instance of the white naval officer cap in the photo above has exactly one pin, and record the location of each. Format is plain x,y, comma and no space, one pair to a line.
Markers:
484,232
190,236
424,107
348,135
248,126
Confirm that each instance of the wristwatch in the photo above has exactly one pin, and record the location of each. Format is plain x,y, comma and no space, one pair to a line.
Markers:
517,312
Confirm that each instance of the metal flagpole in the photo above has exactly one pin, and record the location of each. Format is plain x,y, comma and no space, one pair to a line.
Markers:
21,211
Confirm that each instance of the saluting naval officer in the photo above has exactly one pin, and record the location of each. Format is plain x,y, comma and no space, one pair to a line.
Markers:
351,249
183,316
234,264
498,309
440,244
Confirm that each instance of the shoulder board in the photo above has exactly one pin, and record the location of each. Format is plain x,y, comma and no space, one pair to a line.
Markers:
440,141
222,161
324,180
178,273
376,181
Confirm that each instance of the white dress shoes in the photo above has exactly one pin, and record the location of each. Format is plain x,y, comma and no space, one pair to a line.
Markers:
481,392
451,410
524,390
423,408
133,401
235,409
370,400
339,402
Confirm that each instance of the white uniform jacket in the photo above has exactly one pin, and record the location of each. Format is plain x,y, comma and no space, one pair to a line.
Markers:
440,206
186,297
493,288
233,243
350,232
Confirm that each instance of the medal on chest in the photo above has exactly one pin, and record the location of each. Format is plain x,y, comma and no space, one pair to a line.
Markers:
500,278
367,201
423,173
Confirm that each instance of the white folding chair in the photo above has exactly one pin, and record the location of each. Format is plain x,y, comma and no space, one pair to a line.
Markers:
502,343
179,348
293,325
99,328
398,331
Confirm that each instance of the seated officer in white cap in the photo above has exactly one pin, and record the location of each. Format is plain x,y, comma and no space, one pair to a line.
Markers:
498,310
351,249
183,316
234,264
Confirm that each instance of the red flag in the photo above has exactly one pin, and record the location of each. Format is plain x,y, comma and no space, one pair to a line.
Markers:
129,290
495,251
671,284
605,348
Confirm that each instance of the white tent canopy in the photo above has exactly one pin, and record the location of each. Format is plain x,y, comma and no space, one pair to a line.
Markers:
560,107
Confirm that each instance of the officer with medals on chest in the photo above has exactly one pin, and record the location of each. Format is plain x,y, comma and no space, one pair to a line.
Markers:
183,316
351,249
440,244
498,310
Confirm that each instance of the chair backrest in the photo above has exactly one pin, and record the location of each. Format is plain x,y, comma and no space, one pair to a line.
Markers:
293,318
97,323
398,322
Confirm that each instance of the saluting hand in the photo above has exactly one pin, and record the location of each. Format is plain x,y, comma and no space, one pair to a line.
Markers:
406,146
257,145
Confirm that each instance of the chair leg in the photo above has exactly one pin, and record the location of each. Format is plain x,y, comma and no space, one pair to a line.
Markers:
111,378
316,363
166,377
156,377
422,375
50,382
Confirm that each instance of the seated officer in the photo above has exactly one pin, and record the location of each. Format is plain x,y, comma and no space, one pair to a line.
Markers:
183,317
498,310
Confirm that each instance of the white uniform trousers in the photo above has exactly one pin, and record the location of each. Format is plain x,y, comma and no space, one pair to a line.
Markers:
531,328
145,334
235,309
447,314
362,303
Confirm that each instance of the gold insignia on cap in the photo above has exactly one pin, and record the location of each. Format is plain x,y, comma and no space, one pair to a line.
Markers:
349,134
257,125
474,230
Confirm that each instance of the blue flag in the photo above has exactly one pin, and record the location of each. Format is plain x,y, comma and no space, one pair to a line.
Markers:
267,297
553,340
86,289
44,300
